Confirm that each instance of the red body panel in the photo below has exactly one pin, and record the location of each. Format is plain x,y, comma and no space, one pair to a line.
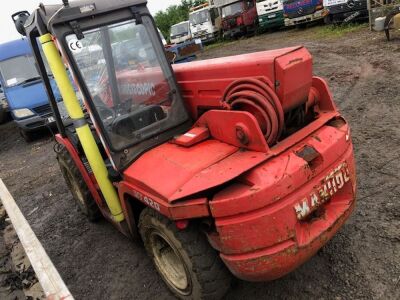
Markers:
189,209
224,126
146,85
171,172
203,83
259,234
293,78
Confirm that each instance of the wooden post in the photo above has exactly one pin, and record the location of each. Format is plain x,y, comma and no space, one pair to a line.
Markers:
369,14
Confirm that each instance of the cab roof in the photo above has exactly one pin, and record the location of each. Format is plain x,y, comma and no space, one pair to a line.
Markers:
183,22
201,9
14,48
52,14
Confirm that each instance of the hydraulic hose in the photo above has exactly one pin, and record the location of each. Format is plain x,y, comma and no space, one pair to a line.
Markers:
83,131
258,98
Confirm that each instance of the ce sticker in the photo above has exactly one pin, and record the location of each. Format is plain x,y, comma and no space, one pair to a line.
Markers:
75,46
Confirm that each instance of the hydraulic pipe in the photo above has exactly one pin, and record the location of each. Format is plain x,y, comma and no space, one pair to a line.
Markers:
83,131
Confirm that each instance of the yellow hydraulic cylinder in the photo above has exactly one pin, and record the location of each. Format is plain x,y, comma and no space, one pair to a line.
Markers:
85,135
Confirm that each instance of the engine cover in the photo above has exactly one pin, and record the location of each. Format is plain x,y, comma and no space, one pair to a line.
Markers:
288,71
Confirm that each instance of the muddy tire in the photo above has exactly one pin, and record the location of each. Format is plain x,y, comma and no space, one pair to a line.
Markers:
27,136
328,20
77,186
301,26
187,263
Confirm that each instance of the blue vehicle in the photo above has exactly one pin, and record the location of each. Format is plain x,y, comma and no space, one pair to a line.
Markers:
23,88
300,12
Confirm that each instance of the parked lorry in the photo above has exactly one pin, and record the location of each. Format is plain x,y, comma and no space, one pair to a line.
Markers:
300,12
239,17
345,11
180,32
23,88
237,165
205,23
270,14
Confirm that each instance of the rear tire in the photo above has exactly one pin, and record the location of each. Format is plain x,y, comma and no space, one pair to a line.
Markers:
77,186
187,263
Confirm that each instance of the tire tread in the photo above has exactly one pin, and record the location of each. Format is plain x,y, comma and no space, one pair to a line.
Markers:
211,273
93,211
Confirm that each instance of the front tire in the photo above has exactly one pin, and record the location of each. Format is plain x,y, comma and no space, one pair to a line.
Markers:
328,20
3,115
301,26
187,263
26,135
77,186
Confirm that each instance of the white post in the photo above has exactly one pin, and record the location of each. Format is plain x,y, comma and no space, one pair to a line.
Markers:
52,284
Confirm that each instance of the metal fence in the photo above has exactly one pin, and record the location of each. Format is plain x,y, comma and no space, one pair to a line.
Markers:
380,8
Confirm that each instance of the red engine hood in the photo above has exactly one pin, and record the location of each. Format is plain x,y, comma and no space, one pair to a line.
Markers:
173,172
288,70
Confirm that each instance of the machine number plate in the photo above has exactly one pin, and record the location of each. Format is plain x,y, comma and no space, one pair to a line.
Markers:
150,202
332,183
271,16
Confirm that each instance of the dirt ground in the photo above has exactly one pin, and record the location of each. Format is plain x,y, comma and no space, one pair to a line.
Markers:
361,262
18,280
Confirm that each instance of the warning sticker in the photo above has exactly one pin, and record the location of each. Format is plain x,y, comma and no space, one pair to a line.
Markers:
75,46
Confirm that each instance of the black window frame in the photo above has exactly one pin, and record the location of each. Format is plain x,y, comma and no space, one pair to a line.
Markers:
85,90
122,158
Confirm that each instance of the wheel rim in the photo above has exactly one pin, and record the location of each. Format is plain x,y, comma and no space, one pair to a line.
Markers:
76,191
170,264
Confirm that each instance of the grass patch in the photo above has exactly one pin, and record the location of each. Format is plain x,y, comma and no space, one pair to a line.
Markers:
218,44
336,31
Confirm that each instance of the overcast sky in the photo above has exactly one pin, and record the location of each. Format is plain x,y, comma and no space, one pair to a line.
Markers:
7,29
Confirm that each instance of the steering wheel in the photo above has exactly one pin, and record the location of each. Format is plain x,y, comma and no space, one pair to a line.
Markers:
105,112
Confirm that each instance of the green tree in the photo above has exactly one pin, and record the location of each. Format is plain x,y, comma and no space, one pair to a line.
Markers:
175,14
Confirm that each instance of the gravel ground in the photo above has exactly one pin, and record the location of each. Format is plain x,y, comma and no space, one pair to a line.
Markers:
361,262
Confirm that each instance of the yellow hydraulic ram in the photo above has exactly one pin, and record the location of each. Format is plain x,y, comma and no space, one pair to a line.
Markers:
84,133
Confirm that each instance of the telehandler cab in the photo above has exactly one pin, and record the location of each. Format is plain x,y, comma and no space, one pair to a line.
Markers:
237,165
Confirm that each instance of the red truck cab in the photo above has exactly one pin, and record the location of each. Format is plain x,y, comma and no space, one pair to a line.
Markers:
239,18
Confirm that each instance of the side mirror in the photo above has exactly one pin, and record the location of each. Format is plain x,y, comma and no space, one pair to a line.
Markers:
19,19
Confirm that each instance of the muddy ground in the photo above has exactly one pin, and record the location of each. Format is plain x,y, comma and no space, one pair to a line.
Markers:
18,280
361,262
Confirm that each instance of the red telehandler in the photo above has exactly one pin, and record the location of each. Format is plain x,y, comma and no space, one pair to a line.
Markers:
237,165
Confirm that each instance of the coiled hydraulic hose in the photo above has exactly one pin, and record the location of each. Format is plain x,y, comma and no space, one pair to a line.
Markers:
258,98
